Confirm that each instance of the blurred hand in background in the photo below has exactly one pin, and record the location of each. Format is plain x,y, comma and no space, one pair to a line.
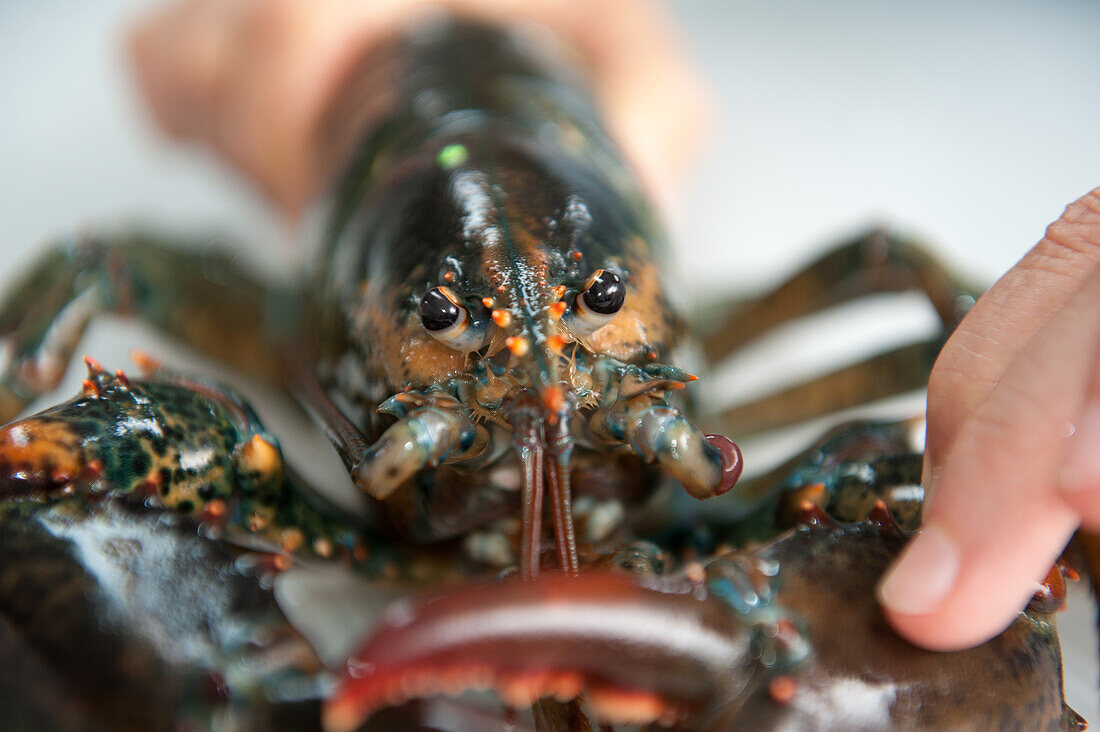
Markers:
253,78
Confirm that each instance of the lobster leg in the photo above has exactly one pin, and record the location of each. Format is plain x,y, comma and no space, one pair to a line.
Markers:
872,263
886,374
199,296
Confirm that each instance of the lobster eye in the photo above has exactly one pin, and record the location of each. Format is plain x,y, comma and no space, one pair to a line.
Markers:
439,309
604,294
449,321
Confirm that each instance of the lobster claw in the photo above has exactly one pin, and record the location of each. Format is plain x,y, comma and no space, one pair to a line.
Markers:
724,646
38,457
186,442
46,452
640,651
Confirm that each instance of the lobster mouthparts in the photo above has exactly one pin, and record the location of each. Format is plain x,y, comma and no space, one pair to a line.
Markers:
556,636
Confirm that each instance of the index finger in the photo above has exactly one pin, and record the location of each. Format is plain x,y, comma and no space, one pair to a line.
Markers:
998,519
1005,319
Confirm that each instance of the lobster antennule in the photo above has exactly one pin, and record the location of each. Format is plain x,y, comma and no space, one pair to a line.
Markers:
559,450
554,636
529,443
543,439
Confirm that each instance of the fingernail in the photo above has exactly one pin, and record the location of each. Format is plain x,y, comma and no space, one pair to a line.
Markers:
923,576
1081,469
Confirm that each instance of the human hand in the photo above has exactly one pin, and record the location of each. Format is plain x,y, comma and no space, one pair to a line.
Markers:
253,78
1012,462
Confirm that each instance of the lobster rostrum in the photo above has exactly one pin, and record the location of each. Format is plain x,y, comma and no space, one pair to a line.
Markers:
486,328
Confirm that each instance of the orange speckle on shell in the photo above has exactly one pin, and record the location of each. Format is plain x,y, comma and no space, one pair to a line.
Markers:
553,399
502,318
782,689
523,690
629,706
557,309
261,456
488,302
323,547
145,363
813,492
291,539
93,469
556,343
518,345
214,509
94,369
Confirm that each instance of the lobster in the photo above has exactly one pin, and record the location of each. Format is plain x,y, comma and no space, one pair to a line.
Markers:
487,330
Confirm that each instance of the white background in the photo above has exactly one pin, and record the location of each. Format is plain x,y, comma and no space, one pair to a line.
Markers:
971,124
